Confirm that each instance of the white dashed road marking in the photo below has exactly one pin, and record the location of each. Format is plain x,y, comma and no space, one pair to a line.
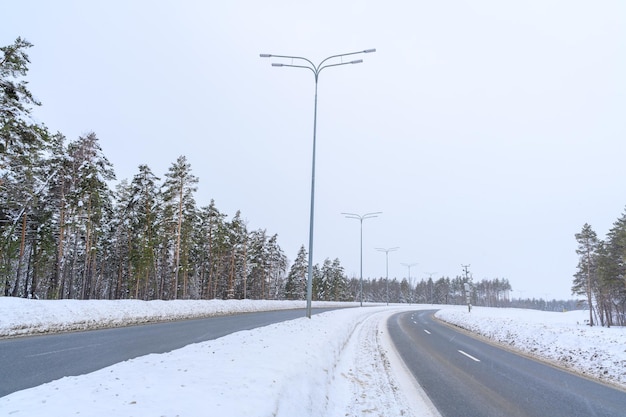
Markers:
469,356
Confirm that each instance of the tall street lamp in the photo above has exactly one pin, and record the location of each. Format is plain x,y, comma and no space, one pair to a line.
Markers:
387,250
361,218
410,285
316,69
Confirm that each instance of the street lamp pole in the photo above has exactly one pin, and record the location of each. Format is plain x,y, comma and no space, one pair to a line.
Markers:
360,219
316,69
410,285
387,250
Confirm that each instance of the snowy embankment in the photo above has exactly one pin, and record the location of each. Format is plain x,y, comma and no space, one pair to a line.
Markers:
562,339
20,317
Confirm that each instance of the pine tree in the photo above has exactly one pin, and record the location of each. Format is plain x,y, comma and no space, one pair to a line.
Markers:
317,285
258,263
295,286
208,243
323,282
277,268
613,279
178,190
58,186
91,201
118,246
142,211
441,289
18,134
338,283
22,179
237,255
584,279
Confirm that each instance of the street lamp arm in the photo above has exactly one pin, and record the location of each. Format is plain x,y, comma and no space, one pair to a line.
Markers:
366,51
317,68
316,71
288,57
375,214
362,217
387,250
356,61
278,64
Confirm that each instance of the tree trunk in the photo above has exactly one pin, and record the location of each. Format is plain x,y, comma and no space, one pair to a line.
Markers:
29,268
178,230
86,266
589,287
20,262
35,278
72,272
54,282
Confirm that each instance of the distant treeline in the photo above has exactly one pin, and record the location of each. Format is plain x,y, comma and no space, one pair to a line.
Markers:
487,293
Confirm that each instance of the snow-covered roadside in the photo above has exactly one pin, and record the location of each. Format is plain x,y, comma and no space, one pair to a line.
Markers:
333,364
20,317
560,338
375,379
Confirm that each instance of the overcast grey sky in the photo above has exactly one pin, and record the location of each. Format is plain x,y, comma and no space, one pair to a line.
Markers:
487,132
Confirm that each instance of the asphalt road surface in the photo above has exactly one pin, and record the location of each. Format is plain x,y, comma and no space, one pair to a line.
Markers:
31,361
465,377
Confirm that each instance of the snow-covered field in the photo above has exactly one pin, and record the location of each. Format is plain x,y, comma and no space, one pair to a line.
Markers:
560,338
338,363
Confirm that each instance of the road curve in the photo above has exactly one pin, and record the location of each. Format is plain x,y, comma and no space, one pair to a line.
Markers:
31,361
464,376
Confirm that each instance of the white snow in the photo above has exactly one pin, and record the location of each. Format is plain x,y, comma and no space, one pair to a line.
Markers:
560,338
24,317
338,363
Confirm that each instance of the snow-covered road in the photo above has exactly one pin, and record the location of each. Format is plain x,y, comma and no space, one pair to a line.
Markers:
337,363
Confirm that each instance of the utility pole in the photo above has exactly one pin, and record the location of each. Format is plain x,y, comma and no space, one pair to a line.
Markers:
466,286
466,270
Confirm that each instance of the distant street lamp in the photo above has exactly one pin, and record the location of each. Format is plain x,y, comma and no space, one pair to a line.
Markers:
361,218
387,266
410,285
316,69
